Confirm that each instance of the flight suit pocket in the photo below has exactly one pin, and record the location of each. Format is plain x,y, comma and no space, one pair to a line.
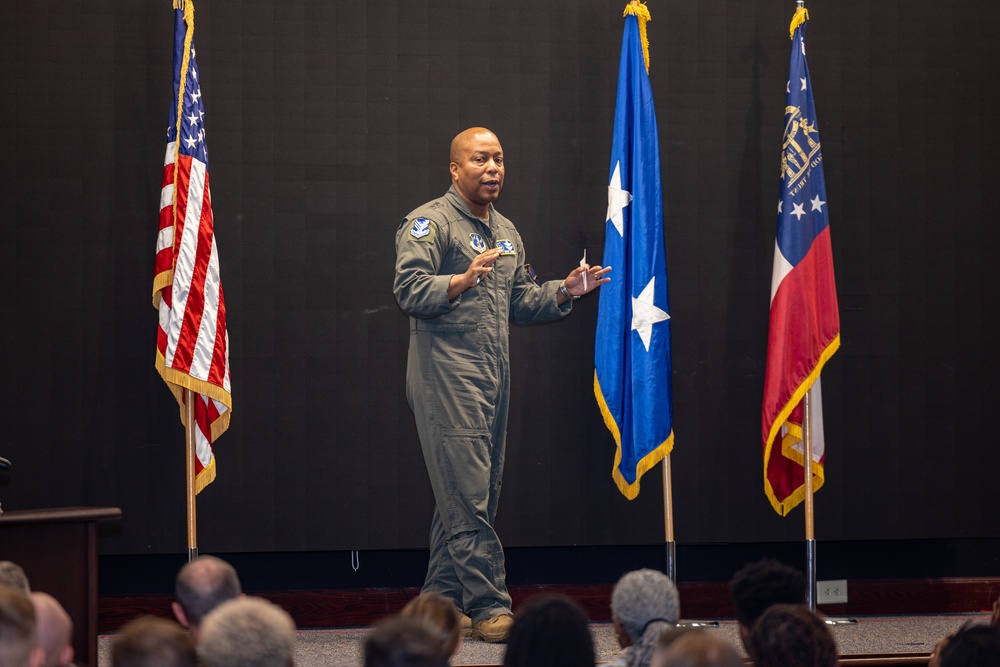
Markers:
465,463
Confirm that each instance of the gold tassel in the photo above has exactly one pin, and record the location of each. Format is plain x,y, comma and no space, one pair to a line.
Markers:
185,63
801,16
641,12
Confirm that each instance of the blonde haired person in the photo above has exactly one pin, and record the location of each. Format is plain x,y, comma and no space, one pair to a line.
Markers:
440,616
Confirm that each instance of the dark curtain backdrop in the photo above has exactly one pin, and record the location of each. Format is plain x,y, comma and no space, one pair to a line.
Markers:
328,121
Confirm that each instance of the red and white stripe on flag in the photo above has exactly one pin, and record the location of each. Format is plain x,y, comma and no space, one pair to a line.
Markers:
192,345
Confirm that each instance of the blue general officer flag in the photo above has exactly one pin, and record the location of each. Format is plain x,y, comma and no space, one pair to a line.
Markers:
632,349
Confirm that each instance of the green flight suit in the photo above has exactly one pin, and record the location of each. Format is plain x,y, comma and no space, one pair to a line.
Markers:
458,382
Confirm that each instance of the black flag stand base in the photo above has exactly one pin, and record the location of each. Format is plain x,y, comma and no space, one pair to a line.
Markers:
671,554
811,573
189,439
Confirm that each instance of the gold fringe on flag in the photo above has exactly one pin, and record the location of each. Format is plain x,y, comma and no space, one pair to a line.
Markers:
661,451
801,16
188,7
641,12
794,436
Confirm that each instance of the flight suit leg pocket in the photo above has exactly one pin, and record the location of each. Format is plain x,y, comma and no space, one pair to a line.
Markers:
465,464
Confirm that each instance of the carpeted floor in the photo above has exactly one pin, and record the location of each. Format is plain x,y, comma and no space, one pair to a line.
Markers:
872,635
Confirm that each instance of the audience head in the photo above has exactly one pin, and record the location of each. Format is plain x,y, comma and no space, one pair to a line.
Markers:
403,642
971,646
639,600
550,630
762,584
791,634
12,575
202,585
18,638
685,647
440,616
153,642
55,630
247,632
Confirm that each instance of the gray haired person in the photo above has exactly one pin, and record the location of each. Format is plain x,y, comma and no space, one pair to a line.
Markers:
247,632
644,605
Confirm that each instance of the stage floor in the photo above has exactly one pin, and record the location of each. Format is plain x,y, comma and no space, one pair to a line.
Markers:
868,636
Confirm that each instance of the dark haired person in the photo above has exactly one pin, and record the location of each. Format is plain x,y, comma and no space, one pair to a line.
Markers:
762,584
550,631
792,634
400,641
973,645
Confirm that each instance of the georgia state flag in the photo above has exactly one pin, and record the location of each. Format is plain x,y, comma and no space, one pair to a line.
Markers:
804,328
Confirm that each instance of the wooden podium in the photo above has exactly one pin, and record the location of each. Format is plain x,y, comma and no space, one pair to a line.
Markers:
58,550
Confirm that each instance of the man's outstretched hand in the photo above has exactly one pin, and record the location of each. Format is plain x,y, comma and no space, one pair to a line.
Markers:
595,278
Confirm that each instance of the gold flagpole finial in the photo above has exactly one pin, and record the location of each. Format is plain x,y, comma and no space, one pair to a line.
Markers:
641,12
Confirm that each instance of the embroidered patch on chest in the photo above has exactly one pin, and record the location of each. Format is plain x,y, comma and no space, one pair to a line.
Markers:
477,243
506,247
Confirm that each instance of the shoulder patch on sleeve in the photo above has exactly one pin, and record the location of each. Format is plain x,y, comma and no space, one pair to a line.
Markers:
422,229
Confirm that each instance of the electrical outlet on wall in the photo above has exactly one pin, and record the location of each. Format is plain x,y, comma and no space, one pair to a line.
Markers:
833,591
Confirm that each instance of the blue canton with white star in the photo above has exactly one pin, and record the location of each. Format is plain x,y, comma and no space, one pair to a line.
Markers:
192,127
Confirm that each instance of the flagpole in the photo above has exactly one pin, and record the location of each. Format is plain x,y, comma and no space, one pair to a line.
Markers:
189,436
810,518
668,520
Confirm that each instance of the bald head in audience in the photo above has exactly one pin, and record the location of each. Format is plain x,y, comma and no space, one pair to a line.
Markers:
18,636
201,586
55,630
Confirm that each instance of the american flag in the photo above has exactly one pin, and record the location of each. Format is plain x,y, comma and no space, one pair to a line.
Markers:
192,345
804,329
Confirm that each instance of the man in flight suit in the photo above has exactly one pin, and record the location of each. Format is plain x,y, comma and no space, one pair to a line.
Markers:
461,276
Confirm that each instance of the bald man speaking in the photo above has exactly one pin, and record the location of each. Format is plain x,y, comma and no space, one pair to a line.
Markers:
461,276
